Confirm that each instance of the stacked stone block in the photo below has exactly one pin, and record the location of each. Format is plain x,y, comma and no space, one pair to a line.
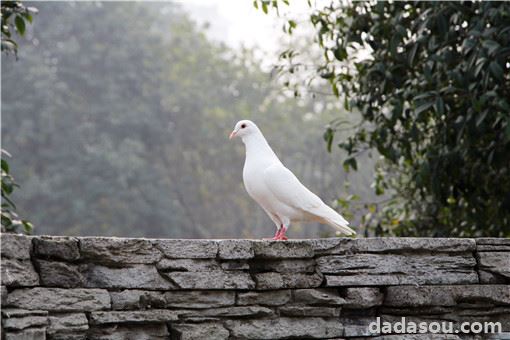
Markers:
118,288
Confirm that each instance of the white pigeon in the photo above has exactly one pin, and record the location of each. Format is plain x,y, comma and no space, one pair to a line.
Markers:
277,190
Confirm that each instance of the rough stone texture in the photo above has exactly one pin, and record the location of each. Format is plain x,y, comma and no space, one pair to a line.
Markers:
252,311
18,273
211,280
4,294
282,250
309,311
363,298
59,274
68,326
266,298
235,250
284,266
27,334
113,288
62,248
208,331
493,244
384,269
273,280
18,319
154,315
188,265
393,245
15,246
139,299
315,297
494,267
188,249
134,276
284,327
119,250
129,332
61,300
412,296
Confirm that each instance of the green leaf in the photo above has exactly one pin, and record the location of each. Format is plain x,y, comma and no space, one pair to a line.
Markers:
350,163
439,106
5,165
481,117
496,70
328,137
491,46
340,53
20,24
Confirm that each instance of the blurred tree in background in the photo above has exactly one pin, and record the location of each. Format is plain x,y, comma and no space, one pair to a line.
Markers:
119,124
15,17
431,81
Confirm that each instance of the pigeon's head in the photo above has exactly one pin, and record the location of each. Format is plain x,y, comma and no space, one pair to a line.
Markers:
243,129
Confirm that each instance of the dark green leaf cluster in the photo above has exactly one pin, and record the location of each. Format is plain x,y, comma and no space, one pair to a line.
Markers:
15,15
434,94
10,219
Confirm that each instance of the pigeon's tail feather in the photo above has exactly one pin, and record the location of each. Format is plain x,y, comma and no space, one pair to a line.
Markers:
341,226
335,220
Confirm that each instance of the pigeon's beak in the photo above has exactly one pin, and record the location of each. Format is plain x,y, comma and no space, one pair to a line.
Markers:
232,134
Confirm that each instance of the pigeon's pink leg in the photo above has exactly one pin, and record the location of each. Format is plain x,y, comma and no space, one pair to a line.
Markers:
281,235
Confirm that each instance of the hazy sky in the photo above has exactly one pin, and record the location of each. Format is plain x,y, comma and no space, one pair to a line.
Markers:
238,23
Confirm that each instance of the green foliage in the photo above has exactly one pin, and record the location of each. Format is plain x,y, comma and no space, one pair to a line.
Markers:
14,14
10,219
434,96
15,17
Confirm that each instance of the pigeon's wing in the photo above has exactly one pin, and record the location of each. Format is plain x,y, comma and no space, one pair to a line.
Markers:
288,189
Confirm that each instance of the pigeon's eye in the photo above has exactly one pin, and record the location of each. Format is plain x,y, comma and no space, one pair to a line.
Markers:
243,126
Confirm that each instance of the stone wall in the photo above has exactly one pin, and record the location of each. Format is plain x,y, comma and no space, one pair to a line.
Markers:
116,288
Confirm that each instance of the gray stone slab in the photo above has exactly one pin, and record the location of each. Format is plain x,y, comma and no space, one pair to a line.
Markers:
60,274
157,331
189,265
235,249
59,299
134,276
193,331
264,298
283,250
496,264
391,269
493,244
18,273
146,316
18,319
211,280
15,246
396,245
114,250
284,328
273,280
318,297
412,296
68,325
306,311
188,249
284,266
363,298
56,247
140,299
233,312
27,334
